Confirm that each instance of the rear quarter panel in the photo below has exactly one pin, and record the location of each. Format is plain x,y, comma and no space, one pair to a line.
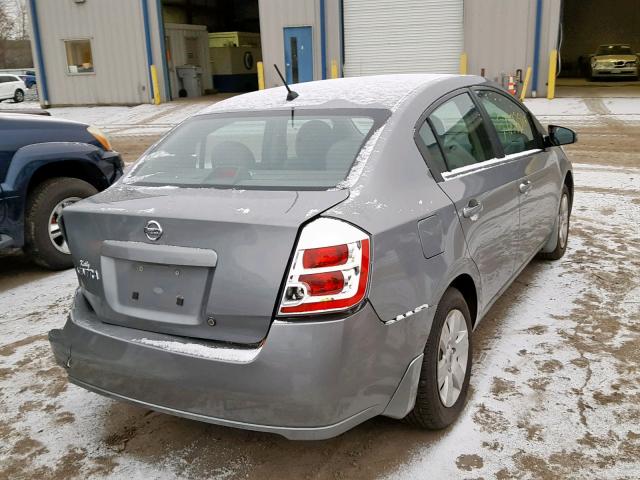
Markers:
394,193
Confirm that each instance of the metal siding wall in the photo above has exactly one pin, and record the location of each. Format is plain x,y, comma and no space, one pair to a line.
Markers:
387,36
274,16
499,37
118,49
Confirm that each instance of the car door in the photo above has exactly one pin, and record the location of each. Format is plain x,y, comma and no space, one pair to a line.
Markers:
16,82
540,181
483,189
4,86
8,87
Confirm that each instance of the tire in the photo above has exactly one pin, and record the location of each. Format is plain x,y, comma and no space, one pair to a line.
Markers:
40,241
430,411
18,96
561,244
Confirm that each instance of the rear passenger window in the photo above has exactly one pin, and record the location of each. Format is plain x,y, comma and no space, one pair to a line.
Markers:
429,140
461,132
511,122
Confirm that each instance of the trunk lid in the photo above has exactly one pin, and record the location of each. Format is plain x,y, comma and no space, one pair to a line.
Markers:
216,269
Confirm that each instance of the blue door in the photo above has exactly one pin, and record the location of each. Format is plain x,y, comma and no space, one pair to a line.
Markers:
298,54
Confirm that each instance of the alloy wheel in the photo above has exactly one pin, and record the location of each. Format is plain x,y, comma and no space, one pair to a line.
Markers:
563,221
453,353
55,232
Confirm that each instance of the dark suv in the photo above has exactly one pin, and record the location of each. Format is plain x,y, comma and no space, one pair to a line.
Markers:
45,165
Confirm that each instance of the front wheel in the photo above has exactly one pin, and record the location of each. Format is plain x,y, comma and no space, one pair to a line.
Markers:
446,366
43,236
563,220
18,96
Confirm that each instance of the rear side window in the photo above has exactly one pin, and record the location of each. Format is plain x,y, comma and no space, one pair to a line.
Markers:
433,150
461,132
310,149
511,122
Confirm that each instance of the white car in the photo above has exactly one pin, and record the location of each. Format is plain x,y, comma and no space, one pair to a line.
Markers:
12,88
614,60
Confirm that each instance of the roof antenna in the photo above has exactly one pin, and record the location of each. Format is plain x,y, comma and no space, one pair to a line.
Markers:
291,95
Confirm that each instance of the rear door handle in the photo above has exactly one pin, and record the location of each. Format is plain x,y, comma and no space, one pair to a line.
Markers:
525,186
472,209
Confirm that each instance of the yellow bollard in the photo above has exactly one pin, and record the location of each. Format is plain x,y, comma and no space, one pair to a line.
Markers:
334,69
551,85
525,85
260,67
154,82
463,63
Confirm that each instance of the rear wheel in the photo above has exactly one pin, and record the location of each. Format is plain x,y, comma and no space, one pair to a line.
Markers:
43,236
446,367
18,96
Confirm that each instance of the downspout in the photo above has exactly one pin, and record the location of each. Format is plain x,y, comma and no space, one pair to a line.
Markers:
536,49
165,67
323,40
42,80
147,38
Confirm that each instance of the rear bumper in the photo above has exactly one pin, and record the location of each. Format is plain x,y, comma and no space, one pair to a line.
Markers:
310,380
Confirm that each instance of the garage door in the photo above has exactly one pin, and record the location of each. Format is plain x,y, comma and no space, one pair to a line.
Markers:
390,36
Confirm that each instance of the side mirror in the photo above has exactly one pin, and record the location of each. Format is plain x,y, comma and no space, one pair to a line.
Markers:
561,135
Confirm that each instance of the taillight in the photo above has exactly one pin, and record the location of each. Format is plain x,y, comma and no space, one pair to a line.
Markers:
330,269
325,256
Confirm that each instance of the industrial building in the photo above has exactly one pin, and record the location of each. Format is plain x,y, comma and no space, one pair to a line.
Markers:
137,51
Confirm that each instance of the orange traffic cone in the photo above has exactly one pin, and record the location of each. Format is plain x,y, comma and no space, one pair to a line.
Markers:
511,86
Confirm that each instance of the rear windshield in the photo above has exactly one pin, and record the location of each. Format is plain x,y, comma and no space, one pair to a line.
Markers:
614,50
305,149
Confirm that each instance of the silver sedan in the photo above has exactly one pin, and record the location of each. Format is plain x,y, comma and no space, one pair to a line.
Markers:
298,265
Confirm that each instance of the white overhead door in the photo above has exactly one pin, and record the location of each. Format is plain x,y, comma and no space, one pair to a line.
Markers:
408,36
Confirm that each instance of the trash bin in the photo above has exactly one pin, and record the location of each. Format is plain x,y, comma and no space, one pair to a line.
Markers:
191,79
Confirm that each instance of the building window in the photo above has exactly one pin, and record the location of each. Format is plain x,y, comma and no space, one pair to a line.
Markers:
79,57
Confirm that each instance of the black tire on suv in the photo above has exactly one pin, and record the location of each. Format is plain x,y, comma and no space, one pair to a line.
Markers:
43,242
18,96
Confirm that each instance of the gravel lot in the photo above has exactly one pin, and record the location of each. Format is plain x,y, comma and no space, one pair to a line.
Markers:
555,385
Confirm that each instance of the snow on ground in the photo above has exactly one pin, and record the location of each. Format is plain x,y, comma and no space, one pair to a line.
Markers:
555,385
558,106
585,112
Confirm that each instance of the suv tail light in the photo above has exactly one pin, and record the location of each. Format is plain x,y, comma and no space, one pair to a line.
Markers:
330,269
